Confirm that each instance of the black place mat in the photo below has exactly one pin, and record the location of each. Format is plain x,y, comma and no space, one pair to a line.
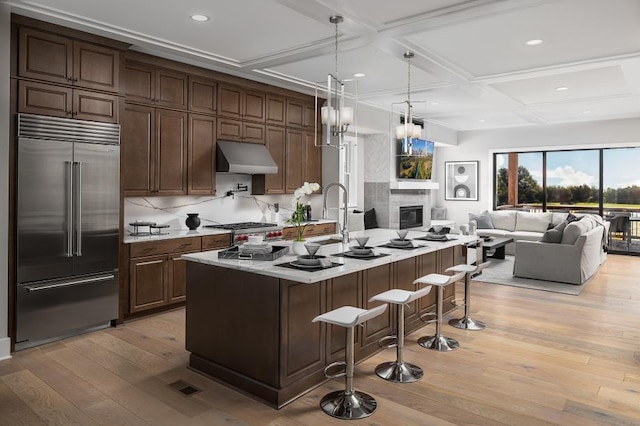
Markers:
314,269
436,239
375,256
409,247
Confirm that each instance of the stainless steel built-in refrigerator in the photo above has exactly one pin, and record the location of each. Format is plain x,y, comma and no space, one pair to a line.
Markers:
67,227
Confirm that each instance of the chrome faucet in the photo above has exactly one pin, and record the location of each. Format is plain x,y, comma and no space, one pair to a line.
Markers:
343,231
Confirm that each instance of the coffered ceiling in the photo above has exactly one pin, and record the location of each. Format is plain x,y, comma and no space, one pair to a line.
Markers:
471,65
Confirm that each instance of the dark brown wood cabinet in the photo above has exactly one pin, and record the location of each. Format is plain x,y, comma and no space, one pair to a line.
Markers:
66,102
58,59
295,113
312,158
311,230
153,151
148,283
201,167
241,131
156,86
294,162
202,95
276,110
310,119
237,102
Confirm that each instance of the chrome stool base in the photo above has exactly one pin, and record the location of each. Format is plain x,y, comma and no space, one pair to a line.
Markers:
439,343
399,372
348,406
467,324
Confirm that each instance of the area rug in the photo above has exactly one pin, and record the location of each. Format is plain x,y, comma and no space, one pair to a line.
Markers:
501,272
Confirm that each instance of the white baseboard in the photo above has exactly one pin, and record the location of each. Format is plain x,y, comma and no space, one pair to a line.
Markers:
5,348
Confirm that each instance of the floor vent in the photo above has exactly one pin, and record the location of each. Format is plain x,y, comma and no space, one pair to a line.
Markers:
184,388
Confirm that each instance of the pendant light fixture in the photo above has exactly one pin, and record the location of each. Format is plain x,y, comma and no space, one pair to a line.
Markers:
407,130
335,117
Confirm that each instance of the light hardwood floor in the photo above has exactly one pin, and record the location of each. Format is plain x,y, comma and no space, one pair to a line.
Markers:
545,358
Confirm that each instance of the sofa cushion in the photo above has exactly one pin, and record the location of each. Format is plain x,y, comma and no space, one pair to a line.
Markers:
504,220
535,222
370,220
483,220
554,235
493,233
573,231
525,235
558,217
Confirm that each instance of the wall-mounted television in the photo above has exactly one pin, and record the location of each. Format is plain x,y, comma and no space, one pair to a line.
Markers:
415,159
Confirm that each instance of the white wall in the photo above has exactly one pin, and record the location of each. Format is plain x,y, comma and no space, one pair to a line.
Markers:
480,145
5,37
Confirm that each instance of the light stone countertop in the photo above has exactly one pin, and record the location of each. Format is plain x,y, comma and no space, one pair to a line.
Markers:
377,237
174,233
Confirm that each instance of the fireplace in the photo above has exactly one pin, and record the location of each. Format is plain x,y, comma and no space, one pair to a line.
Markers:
410,217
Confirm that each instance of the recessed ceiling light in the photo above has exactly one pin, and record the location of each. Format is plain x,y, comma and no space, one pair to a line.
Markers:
435,103
482,120
560,89
359,74
200,18
534,42
587,111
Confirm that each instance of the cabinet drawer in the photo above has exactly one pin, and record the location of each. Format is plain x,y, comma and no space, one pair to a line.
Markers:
177,245
289,233
214,242
326,229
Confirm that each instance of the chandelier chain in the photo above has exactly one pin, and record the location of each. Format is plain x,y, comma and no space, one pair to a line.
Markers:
409,81
336,50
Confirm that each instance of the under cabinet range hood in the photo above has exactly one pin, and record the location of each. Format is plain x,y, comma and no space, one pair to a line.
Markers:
245,158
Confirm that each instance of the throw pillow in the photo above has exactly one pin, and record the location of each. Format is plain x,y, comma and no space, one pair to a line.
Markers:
571,218
554,235
370,220
483,220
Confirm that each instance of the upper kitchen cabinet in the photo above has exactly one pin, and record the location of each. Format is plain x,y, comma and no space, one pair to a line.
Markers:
309,118
67,102
240,131
237,102
295,113
294,160
202,95
272,184
313,158
153,151
58,59
276,107
201,154
157,86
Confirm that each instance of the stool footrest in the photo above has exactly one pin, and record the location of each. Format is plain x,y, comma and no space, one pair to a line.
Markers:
393,342
336,364
458,302
429,314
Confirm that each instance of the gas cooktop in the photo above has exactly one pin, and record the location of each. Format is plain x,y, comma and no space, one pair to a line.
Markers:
243,225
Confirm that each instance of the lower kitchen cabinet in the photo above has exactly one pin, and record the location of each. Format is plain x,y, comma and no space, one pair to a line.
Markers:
311,230
157,274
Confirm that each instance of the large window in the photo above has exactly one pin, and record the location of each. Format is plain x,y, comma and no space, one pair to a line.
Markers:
604,181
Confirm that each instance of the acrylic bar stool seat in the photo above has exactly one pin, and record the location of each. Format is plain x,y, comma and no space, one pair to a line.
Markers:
438,342
348,404
466,322
399,371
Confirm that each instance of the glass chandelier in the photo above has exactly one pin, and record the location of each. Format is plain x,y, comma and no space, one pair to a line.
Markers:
335,117
407,130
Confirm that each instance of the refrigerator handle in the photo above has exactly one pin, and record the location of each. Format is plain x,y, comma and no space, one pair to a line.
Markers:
69,215
78,217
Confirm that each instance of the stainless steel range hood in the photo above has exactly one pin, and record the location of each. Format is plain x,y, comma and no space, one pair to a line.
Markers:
243,157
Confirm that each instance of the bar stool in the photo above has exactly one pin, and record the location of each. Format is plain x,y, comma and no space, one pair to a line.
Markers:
348,404
466,322
399,371
438,342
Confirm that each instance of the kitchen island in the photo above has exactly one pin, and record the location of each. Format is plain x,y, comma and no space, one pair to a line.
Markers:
248,323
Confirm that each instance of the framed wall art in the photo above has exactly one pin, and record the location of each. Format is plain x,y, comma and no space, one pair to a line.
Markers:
461,180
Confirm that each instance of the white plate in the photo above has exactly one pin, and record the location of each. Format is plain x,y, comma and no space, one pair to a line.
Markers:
364,256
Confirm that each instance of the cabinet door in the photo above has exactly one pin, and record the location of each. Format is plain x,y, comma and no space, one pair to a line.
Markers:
313,158
137,150
171,159
45,99
171,89
309,119
254,106
202,155
95,106
405,273
295,113
214,242
253,132
274,184
427,264
230,101
202,95
342,291
177,273
45,56
294,161
139,82
96,67
275,110
375,281
229,129
147,283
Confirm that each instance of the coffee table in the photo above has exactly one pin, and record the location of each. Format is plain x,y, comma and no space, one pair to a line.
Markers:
498,244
